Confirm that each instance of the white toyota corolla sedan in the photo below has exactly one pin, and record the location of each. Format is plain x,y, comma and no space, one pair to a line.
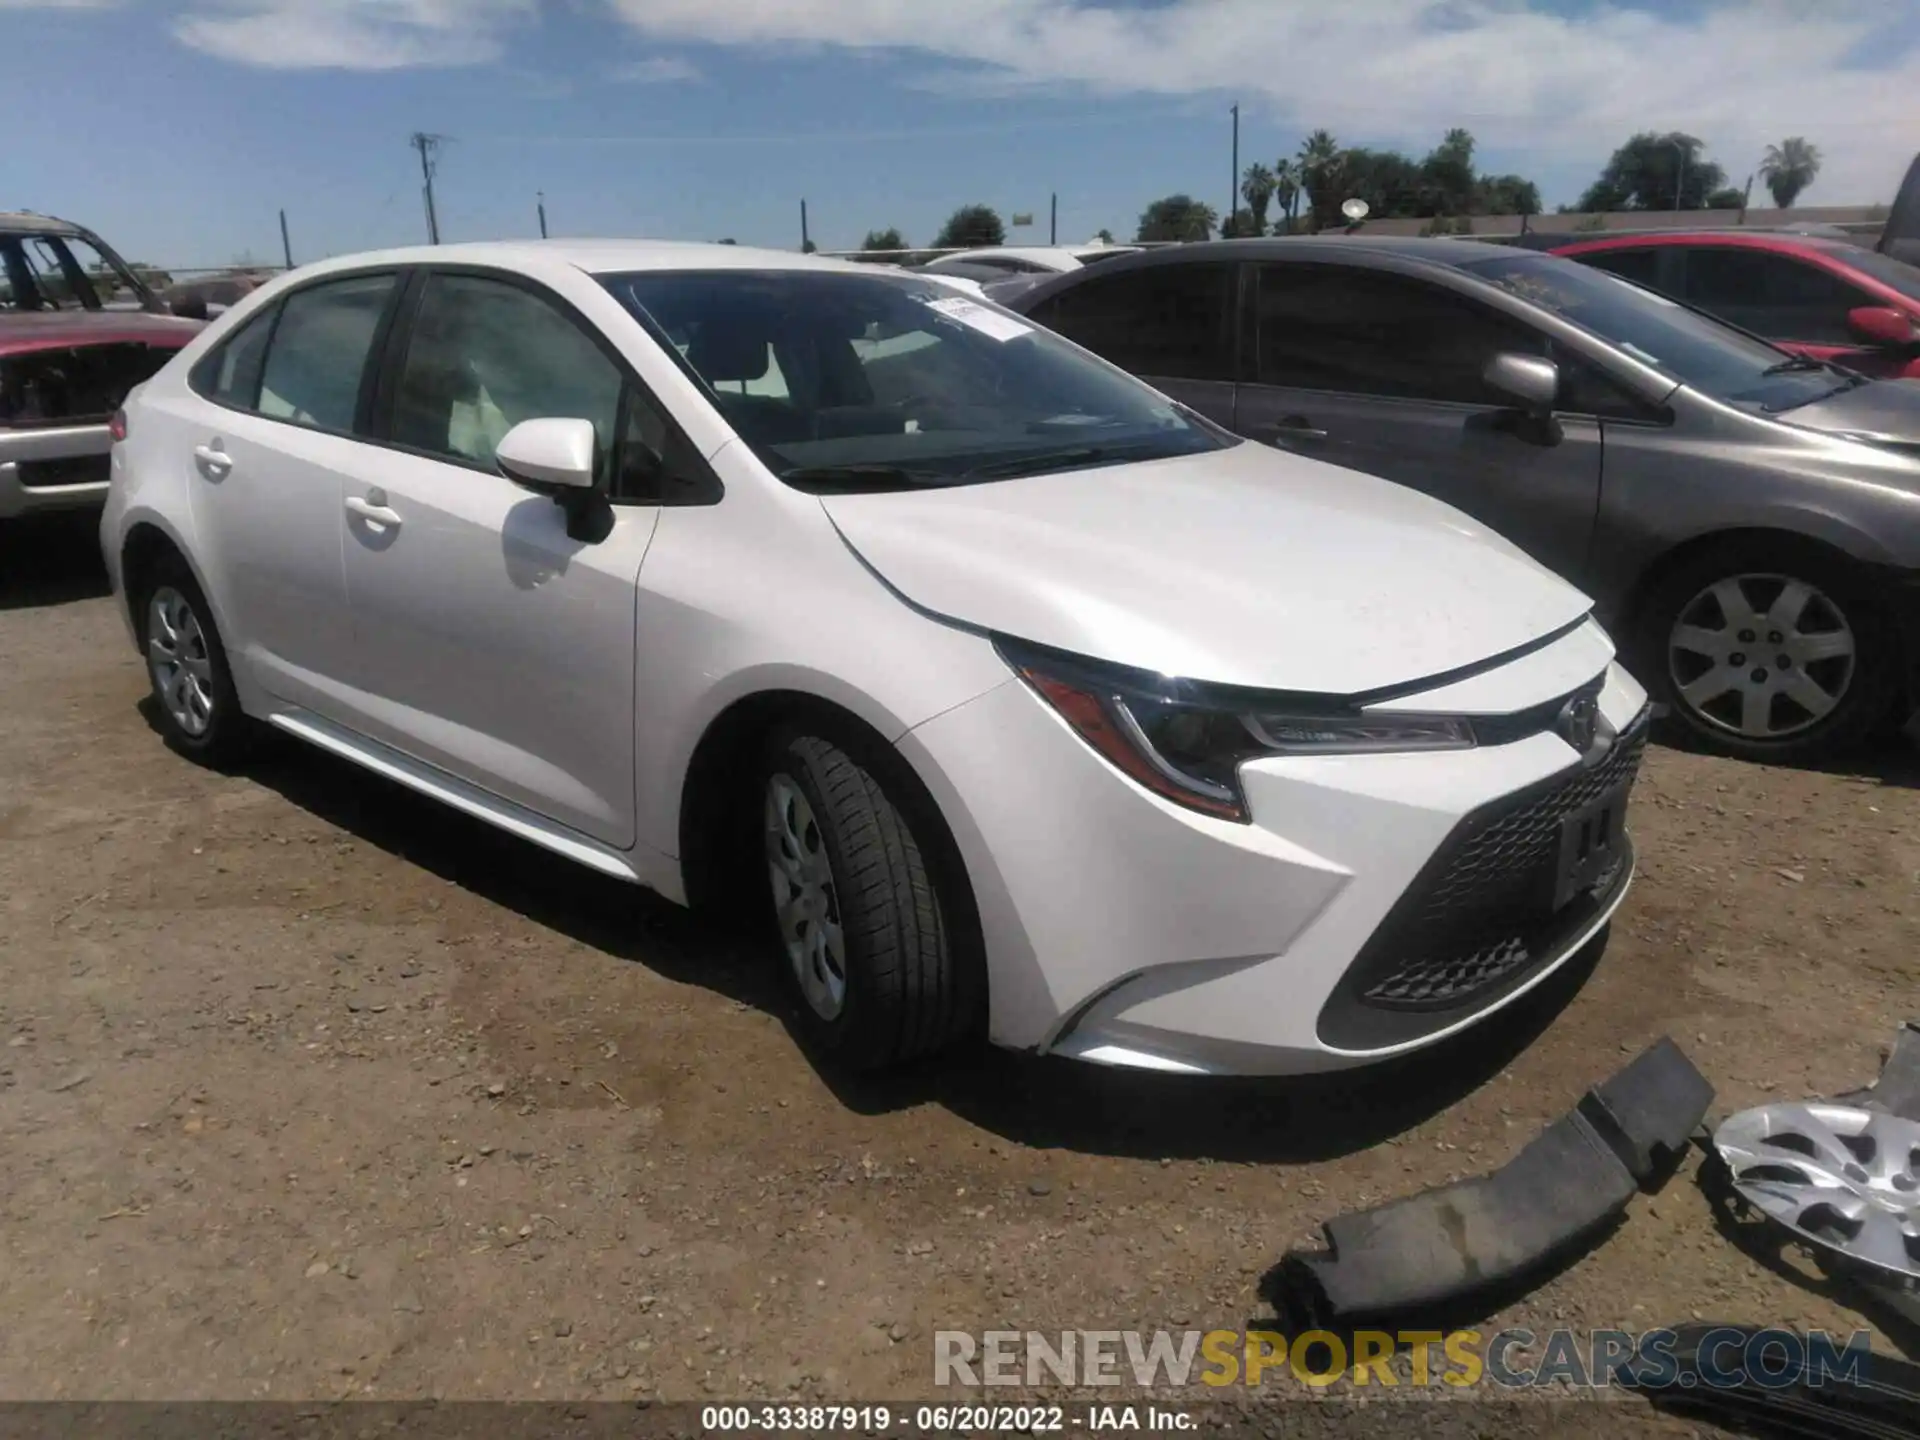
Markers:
1006,693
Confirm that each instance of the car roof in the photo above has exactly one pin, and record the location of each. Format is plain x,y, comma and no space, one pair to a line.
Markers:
1431,249
1751,239
597,257
26,222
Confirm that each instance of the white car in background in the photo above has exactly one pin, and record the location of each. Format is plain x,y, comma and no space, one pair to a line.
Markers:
1028,259
1008,693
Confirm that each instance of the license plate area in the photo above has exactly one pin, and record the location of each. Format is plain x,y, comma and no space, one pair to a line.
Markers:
1591,844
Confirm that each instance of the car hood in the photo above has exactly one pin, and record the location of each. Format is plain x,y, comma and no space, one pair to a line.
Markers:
1883,411
63,329
1241,567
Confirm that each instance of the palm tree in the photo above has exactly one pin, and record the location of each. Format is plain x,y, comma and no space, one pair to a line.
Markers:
1788,168
1286,189
1319,154
1257,185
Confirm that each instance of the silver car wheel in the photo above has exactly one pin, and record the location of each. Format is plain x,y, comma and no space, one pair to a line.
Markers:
178,660
1763,657
804,901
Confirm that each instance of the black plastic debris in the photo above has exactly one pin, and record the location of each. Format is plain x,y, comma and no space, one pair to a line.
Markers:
1778,1391
1568,1185
1897,1091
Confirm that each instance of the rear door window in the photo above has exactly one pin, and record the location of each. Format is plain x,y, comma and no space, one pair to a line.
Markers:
1163,321
317,356
1778,296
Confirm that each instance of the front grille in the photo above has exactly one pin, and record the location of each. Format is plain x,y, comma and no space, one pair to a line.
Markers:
1480,917
71,470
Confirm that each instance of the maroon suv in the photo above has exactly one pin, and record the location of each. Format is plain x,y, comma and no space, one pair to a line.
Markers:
78,330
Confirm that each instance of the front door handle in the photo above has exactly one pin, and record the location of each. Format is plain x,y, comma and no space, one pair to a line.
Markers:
373,514
1292,427
212,461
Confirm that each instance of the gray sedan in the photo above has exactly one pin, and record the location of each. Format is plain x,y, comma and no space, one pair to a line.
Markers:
1748,522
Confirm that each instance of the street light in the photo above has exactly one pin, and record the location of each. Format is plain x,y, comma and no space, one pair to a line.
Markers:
1680,181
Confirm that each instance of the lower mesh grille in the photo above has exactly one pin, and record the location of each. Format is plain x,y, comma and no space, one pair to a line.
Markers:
1480,918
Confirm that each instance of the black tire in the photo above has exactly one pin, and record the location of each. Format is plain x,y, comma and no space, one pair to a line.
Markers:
907,989
1865,684
222,740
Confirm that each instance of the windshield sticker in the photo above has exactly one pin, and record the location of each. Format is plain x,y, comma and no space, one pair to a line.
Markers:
990,323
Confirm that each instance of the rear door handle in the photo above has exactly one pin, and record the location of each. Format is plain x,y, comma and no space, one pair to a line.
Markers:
373,514
213,462
1293,427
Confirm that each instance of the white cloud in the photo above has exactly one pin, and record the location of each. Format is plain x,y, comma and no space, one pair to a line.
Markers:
657,70
58,4
352,34
1557,90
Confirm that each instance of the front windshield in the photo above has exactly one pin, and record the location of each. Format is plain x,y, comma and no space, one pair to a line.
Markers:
1682,344
877,381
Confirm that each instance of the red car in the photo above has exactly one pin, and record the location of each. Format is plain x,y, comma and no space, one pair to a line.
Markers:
78,329
1826,299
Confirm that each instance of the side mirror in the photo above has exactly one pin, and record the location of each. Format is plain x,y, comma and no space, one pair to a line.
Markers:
553,456
1530,381
1881,325
189,307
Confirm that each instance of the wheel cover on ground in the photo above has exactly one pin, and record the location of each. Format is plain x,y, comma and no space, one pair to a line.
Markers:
1762,656
177,656
805,902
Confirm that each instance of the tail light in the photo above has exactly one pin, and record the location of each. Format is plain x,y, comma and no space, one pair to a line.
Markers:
117,426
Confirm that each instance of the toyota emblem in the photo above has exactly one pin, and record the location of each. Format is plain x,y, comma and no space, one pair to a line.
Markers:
1579,722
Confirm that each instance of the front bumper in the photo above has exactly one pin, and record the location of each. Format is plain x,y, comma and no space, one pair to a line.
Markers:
57,468
1126,930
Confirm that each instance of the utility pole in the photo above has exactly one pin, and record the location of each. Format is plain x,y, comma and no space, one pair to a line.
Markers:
428,146
286,245
1680,181
541,197
1233,190
806,241
1053,218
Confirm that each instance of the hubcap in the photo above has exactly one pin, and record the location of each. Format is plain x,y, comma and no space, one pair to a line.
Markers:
804,901
177,657
1761,656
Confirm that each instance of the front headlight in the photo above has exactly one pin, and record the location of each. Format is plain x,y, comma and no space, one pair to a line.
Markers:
1186,742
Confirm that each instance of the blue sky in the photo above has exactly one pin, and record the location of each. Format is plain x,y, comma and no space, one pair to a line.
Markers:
179,129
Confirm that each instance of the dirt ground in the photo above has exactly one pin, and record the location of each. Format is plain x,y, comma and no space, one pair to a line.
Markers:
311,1089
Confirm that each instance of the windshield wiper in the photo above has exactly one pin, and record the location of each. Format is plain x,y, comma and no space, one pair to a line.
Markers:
829,479
1044,460
1794,364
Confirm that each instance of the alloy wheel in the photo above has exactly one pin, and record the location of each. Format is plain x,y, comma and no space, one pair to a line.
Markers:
177,656
1764,657
804,900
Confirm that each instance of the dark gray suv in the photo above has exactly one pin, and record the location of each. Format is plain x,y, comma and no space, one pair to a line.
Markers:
1747,521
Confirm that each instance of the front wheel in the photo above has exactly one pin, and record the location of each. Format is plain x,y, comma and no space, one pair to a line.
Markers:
1770,651
860,905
